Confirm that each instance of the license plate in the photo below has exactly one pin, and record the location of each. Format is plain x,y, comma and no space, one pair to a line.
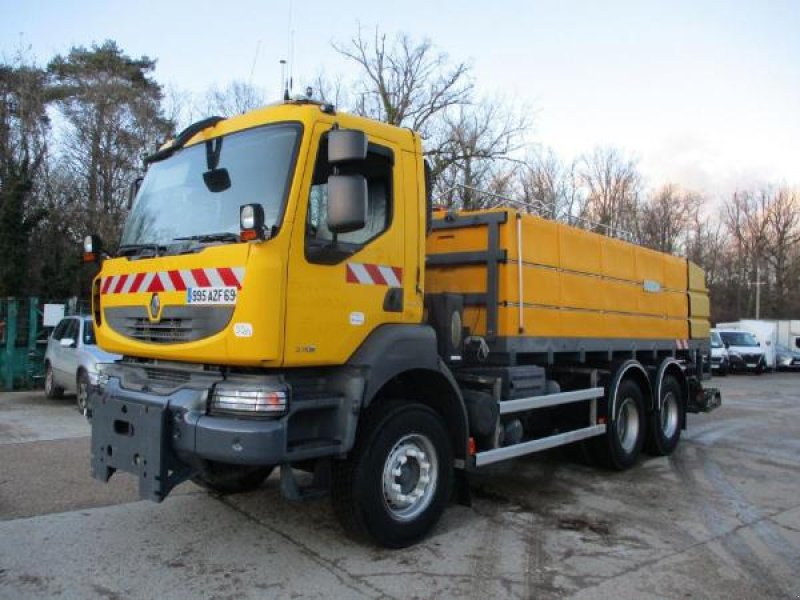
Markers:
751,365
211,295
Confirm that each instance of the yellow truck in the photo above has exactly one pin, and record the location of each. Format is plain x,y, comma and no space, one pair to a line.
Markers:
286,295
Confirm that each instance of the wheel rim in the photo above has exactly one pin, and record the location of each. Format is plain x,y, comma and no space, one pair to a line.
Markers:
628,424
82,394
669,415
410,476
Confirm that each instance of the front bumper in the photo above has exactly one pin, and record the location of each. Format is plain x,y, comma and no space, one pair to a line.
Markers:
166,439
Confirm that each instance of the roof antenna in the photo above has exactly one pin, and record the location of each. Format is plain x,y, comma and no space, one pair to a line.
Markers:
284,83
289,83
253,66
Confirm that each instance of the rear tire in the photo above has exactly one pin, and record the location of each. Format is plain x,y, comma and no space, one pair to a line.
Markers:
664,425
397,480
620,446
51,390
224,478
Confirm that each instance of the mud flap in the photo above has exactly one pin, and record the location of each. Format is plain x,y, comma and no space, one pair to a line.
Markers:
704,400
134,437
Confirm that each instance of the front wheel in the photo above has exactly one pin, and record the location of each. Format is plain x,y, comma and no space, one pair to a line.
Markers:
51,390
82,393
397,481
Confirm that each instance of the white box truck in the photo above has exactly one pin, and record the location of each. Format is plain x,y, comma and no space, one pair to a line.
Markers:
789,333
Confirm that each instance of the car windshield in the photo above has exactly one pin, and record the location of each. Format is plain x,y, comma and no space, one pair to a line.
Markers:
88,333
716,341
738,338
175,202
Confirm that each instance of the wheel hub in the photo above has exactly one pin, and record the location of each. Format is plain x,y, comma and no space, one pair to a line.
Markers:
628,424
409,477
669,415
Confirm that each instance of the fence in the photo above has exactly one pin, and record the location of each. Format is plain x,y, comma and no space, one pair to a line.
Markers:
23,341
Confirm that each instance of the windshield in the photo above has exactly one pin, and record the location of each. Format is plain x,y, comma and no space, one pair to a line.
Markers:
88,333
738,338
716,341
175,202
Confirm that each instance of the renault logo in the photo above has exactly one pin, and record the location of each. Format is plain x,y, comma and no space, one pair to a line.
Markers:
155,307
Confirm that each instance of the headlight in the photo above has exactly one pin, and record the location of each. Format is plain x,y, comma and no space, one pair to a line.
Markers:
249,399
734,354
100,376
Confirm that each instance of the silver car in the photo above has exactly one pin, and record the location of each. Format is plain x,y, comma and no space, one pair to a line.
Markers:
71,359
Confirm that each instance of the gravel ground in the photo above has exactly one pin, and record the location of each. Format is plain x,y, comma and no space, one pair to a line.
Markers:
718,519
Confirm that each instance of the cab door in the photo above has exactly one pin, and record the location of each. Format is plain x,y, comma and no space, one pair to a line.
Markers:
341,287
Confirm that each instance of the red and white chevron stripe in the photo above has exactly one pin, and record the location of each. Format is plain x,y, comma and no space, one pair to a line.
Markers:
374,274
173,281
682,344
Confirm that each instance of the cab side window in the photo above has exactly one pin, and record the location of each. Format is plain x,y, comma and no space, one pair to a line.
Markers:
320,244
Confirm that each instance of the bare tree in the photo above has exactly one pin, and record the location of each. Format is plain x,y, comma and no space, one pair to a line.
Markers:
404,82
550,186
612,184
236,98
664,217
474,154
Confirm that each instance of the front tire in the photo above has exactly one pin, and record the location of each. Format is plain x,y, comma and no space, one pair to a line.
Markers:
231,479
82,393
664,424
51,390
398,478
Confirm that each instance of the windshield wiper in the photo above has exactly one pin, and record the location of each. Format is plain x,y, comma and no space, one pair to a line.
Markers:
134,249
223,236
182,139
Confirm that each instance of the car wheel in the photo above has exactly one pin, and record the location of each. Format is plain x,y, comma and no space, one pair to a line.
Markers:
231,479
51,390
82,392
664,425
397,481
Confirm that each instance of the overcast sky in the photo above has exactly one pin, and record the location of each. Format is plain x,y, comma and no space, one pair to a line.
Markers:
704,93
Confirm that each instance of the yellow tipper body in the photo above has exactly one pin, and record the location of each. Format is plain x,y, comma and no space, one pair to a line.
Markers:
574,283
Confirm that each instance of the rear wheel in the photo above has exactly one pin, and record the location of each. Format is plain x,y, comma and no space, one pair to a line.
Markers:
231,479
397,481
51,390
82,392
664,424
622,443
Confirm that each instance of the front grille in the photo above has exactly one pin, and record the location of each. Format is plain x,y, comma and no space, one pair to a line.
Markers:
178,324
155,374
166,331
751,358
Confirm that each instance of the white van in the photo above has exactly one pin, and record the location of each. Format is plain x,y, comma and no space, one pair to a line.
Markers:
765,332
744,351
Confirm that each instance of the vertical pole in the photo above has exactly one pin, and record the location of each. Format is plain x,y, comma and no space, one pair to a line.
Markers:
758,291
33,333
11,338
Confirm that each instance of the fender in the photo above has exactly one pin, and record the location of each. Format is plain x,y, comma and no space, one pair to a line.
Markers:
392,350
672,365
626,367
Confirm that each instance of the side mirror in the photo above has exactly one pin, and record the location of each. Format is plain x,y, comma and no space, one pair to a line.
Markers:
727,345
92,248
67,343
345,145
347,203
133,190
